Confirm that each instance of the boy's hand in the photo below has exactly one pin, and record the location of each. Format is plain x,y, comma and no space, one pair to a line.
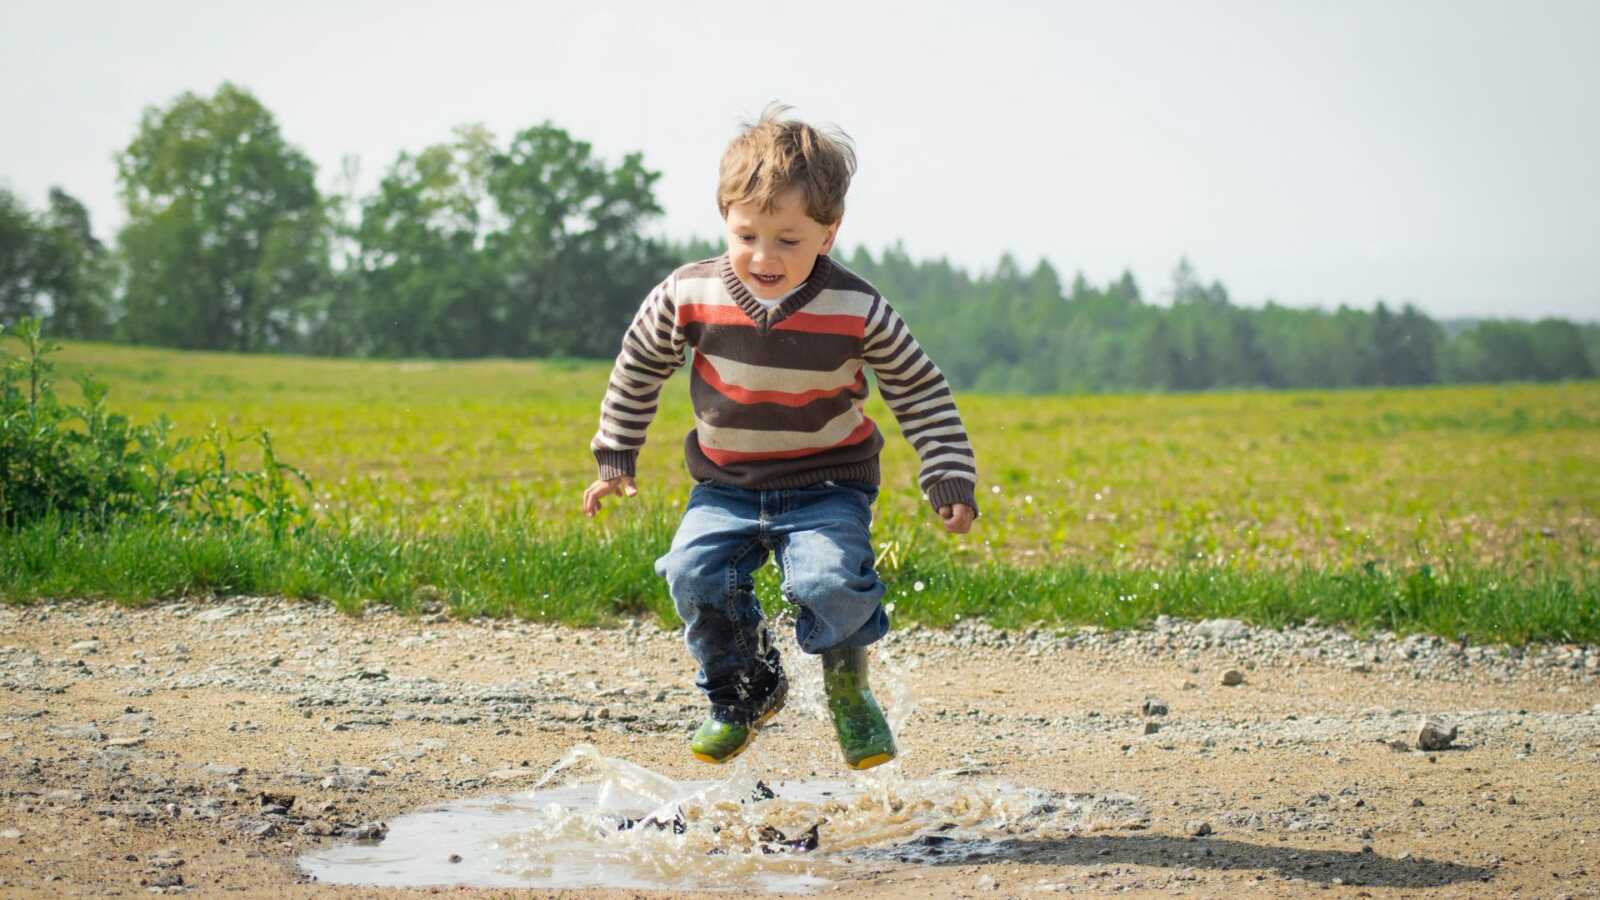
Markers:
622,484
957,518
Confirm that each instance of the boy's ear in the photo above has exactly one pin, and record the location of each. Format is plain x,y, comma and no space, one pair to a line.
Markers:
833,232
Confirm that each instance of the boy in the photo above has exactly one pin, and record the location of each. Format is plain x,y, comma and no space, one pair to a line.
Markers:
783,456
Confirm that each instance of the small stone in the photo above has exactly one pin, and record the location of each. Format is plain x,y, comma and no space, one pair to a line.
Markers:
1223,629
1152,727
1232,678
368,831
224,770
217,614
85,732
512,774
455,857
1417,802
87,648
1154,706
1435,733
603,713
1198,829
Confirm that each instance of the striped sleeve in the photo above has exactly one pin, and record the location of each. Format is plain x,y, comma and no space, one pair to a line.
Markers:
920,399
652,349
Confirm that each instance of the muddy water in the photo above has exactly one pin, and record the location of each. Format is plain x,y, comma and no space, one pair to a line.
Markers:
624,826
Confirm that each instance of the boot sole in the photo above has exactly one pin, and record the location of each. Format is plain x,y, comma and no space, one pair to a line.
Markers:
868,762
766,717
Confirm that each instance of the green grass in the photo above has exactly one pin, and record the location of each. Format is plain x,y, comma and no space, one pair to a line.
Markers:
593,577
1270,506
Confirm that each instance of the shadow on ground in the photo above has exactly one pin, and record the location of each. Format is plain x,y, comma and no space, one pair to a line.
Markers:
1321,866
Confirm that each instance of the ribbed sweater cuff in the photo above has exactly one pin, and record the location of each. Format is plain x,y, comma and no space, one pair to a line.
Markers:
951,491
616,463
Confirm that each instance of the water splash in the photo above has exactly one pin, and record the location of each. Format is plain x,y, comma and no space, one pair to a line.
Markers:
629,827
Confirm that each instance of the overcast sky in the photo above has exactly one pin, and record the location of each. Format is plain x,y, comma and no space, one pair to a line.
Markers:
1444,153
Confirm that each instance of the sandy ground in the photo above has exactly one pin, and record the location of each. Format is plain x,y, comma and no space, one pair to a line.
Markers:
158,750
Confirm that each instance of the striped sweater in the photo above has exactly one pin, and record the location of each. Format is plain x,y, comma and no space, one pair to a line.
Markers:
778,392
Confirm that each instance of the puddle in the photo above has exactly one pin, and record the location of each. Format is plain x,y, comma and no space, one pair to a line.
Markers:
623,826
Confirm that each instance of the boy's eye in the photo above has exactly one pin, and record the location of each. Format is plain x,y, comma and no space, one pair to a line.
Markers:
788,242
747,238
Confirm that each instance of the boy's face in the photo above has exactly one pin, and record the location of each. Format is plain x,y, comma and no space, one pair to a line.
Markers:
773,252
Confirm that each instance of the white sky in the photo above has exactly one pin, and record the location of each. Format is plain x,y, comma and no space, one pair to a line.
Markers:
1446,153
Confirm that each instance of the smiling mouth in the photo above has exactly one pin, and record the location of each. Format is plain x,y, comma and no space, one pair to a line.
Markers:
767,280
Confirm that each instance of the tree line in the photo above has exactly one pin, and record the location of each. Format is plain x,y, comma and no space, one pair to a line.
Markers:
537,247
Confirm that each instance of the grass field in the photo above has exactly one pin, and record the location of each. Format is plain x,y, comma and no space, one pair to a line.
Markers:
1468,486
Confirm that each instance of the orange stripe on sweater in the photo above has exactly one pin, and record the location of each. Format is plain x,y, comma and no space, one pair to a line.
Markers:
811,323
712,315
725,457
708,372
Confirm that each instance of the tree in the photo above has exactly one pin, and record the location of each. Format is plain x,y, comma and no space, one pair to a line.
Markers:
425,286
19,263
572,254
226,232
53,268
536,249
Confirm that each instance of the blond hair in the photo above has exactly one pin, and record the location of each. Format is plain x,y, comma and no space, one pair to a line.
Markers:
774,154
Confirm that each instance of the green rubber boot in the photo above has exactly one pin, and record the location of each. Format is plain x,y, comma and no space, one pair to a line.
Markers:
857,718
716,741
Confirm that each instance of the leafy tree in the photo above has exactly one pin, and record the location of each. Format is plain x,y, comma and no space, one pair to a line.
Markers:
19,262
52,267
572,254
468,249
226,234
422,278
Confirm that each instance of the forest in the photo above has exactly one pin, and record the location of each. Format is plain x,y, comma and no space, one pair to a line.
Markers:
537,246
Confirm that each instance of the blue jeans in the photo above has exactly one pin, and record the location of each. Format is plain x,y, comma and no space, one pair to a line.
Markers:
824,549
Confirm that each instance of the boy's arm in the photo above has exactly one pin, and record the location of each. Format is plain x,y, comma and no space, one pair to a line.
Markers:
652,349
921,401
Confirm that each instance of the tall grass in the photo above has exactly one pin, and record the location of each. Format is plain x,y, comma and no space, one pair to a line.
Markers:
589,577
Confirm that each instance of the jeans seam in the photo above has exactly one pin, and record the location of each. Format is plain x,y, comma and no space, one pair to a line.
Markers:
786,583
730,596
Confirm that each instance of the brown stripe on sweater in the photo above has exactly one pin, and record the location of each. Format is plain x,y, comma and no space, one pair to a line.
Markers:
775,349
765,416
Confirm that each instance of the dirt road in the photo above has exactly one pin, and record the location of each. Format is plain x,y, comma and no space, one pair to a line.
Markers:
205,746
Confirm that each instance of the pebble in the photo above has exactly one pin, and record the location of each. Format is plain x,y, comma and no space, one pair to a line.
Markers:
1223,629
217,614
1232,678
367,831
1434,733
1154,706
86,732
